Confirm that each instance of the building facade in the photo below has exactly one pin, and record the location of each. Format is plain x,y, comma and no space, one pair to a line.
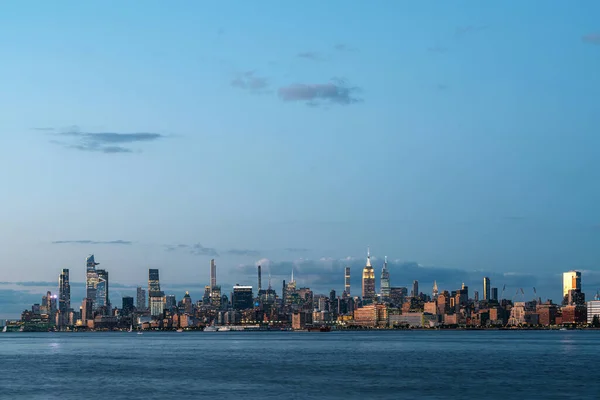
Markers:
368,281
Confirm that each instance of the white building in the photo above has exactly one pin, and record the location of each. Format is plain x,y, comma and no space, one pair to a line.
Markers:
593,308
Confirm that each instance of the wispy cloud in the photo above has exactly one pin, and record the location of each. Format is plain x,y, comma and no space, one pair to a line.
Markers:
343,47
296,250
468,29
251,82
243,252
336,92
103,142
121,242
311,55
592,38
196,249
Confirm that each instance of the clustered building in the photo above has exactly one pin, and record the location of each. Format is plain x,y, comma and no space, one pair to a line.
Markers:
299,308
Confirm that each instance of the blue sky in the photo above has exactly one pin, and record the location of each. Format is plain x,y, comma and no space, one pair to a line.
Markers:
460,136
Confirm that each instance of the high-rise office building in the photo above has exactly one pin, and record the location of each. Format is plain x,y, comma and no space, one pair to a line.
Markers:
102,299
91,279
140,301
170,302
494,294
385,281
156,298
347,281
64,291
242,297
571,281
259,279
435,292
415,289
87,310
127,305
213,273
368,281
486,288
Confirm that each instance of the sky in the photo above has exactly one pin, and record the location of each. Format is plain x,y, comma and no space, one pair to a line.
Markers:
460,139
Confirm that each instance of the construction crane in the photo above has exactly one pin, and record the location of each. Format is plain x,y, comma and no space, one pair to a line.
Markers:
502,294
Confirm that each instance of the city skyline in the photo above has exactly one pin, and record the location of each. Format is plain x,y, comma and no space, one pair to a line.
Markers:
461,137
426,284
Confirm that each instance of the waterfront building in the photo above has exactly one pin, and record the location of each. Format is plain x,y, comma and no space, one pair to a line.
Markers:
486,289
87,310
242,297
368,281
547,313
593,310
574,314
372,315
385,282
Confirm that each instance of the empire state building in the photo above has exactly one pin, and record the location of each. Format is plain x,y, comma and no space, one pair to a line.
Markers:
368,281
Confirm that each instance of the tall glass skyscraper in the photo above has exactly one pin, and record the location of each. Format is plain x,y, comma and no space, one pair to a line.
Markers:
140,301
91,279
156,298
64,291
213,273
486,288
102,298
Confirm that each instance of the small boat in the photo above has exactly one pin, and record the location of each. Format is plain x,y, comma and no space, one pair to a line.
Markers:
224,329
140,333
562,329
179,330
4,329
130,328
210,329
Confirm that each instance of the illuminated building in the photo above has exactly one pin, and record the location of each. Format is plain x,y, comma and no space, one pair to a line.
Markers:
156,298
435,291
87,311
91,279
486,288
64,291
593,309
215,296
374,315
385,282
571,281
368,281
102,299
242,297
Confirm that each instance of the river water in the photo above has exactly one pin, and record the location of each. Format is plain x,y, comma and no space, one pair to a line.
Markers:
301,365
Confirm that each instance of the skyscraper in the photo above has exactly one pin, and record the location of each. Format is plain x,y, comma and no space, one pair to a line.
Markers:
91,279
102,298
259,279
385,281
156,298
415,289
64,291
140,302
213,273
494,294
242,297
571,281
486,289
368,281
436,291
347,281
127,305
